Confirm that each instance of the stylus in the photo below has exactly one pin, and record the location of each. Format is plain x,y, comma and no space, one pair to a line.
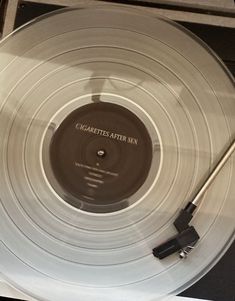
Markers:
187,236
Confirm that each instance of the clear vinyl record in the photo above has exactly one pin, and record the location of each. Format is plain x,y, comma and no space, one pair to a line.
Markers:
110,120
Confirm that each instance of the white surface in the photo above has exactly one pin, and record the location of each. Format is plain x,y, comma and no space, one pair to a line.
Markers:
9,19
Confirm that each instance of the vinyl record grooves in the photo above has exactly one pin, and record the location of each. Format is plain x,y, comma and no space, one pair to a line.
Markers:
110,119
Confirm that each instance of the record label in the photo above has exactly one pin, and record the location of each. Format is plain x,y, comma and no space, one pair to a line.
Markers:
101,155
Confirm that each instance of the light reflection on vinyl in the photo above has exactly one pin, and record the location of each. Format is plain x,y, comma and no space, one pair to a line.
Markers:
110,119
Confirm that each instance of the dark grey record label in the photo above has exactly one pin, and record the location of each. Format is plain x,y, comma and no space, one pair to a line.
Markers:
100,155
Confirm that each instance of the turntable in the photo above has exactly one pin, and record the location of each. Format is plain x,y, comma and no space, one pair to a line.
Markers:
117,140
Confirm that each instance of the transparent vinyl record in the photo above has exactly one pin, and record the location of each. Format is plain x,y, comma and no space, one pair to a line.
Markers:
110,120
